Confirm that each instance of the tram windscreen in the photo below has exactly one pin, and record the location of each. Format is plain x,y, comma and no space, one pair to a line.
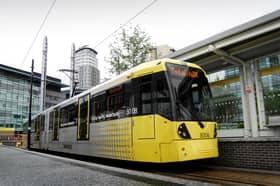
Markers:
192,95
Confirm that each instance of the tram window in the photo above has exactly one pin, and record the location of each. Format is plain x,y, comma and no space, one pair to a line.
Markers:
42,122
68,114
83,132
128,96
163,98
64,115
91,108
83,110
146,98
99,107
38,123
72,113
51,120
35,125
55,124
37,128
115,100
195,96
141,97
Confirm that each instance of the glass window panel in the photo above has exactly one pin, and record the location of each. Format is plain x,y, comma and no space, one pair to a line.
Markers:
228,106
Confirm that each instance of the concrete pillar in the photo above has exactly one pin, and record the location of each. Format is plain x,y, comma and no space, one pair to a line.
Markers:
260,98
246,113
250,90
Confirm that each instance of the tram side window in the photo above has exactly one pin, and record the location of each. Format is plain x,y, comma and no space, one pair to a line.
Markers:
38,122
42,122
146,95
83,127
100,108
68,114
163,98
112,103
63,115
91,104
55,124
72,113
37,128
115,100
34,126
128,96
51,120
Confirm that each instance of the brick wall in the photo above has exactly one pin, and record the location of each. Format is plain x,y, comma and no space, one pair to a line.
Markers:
250,153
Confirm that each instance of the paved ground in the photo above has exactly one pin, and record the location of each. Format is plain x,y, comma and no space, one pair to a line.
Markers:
24,168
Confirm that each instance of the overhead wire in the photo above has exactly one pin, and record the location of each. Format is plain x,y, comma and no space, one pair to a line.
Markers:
39,30
102,41
129,20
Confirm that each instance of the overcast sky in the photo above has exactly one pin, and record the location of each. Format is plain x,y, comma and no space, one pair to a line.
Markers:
178,23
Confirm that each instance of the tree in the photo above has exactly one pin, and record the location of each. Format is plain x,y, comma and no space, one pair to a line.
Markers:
130,48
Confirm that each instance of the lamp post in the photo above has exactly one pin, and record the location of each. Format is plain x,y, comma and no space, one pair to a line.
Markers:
72,79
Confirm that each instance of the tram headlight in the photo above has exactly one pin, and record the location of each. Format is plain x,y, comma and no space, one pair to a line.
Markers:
183,131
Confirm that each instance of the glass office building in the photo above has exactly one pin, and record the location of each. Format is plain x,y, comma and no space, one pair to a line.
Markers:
227,95
15,95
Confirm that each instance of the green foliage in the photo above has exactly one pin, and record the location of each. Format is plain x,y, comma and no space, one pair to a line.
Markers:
130,48
240,125
271,101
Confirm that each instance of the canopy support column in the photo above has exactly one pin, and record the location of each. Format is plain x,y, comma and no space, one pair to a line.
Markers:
247,91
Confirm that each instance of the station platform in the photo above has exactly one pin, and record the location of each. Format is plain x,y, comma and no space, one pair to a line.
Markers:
22,167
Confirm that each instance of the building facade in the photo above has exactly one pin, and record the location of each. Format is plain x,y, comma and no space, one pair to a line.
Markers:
87,67
15,95
160,51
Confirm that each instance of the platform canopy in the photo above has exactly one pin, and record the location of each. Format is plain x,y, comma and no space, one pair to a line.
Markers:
243,43
240,47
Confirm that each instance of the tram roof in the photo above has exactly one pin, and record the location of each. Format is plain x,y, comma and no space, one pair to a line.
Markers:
245,42
140,70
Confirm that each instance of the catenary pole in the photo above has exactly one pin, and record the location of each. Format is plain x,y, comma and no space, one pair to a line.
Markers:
30,105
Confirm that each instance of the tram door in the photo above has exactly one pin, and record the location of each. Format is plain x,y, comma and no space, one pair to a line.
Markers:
43,133
56,115
144,123
83,118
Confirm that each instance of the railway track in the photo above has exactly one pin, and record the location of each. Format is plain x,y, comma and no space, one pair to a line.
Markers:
192,171
229,177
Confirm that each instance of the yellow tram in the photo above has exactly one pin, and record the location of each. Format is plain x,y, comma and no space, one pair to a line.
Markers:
159,111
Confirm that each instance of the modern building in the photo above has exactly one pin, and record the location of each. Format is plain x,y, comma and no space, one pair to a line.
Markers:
243,64
15,95
87,67
160,51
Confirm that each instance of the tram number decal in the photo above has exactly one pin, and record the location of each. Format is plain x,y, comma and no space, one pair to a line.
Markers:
204,135
131,111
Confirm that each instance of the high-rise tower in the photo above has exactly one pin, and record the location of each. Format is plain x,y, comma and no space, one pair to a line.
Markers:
86,65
